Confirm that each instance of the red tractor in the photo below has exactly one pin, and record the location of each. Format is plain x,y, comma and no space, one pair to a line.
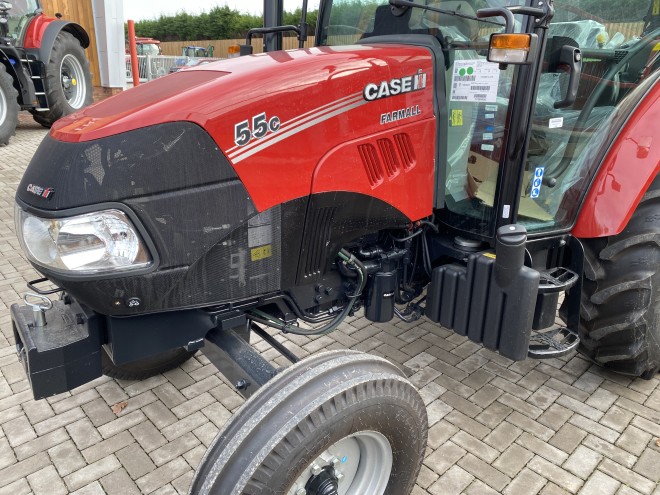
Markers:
43,68
493,169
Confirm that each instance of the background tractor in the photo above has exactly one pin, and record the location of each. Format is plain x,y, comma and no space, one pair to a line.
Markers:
493,169
43,68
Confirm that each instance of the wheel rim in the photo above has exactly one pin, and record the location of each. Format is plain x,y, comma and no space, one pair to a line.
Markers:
3,107
73,81
362,465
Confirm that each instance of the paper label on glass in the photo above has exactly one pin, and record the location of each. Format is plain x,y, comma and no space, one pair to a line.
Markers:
475,80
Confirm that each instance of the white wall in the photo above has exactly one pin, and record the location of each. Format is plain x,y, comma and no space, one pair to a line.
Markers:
109,25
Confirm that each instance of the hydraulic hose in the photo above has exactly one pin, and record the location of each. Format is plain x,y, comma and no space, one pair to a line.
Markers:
272,321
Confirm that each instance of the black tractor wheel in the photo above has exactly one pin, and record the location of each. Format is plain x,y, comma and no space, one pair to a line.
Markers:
68,80
337,423
620,313
8,106
144,368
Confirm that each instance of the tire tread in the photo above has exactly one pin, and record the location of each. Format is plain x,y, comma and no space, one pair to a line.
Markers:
620,320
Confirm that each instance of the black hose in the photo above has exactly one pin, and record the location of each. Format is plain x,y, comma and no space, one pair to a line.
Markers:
330,327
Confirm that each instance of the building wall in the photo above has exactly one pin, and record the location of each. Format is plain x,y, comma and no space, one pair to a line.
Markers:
79,11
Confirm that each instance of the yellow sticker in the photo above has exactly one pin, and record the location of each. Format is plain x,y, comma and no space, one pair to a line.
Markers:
656,7
656,48
457,117
490,255
262,252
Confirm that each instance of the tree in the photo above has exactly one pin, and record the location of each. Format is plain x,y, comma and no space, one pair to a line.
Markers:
218,24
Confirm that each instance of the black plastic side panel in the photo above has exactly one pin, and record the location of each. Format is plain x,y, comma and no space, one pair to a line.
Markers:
468,300
333,220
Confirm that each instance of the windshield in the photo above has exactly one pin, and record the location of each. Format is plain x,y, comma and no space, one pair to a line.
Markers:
19,15
148,49
351,20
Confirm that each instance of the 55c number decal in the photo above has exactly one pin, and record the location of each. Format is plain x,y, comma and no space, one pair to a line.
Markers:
261,126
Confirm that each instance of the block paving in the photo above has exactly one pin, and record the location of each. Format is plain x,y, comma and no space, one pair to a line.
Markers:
554,427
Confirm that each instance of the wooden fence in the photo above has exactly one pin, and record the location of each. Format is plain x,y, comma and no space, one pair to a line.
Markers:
79,11
220,46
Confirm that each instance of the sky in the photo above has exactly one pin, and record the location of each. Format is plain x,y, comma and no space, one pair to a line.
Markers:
149,9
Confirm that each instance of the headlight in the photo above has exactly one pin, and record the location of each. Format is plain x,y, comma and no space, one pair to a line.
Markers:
100,242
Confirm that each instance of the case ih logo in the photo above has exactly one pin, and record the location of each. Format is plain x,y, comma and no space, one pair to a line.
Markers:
46,193
395,86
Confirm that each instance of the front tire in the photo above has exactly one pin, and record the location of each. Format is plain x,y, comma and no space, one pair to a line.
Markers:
144,368
8,106
68,80
340,417
620,311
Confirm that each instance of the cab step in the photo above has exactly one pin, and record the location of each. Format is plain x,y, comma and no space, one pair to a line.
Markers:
552,343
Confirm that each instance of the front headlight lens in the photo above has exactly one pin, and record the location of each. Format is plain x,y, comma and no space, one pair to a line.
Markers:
104,241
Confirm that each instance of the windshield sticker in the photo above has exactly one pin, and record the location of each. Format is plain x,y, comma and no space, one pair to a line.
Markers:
489,115
475,80
537,182
491,108
487,147
456,118
556,123
488,136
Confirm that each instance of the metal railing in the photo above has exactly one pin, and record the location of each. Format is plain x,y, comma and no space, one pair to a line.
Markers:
152,67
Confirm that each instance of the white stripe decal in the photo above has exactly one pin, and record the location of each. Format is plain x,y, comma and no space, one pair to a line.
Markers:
286,125
294,123
280,136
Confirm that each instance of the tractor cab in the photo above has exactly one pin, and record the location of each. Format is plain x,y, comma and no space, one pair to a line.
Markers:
197,52
147,46
14,19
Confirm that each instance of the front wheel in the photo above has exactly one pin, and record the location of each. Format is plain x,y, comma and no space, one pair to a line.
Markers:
8,106
68,80
144,368
340,422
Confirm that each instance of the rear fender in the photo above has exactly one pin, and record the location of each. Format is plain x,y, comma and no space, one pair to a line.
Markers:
42,31
631,165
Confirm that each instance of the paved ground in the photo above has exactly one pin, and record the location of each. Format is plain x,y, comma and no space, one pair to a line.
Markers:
552,427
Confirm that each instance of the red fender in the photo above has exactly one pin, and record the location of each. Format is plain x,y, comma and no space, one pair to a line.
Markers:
630,166
35,31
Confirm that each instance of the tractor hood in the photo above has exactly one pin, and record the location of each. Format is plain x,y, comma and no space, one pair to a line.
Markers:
219,95
276,117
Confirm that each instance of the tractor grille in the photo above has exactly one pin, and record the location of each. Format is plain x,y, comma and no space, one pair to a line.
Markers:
314,249
389,159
